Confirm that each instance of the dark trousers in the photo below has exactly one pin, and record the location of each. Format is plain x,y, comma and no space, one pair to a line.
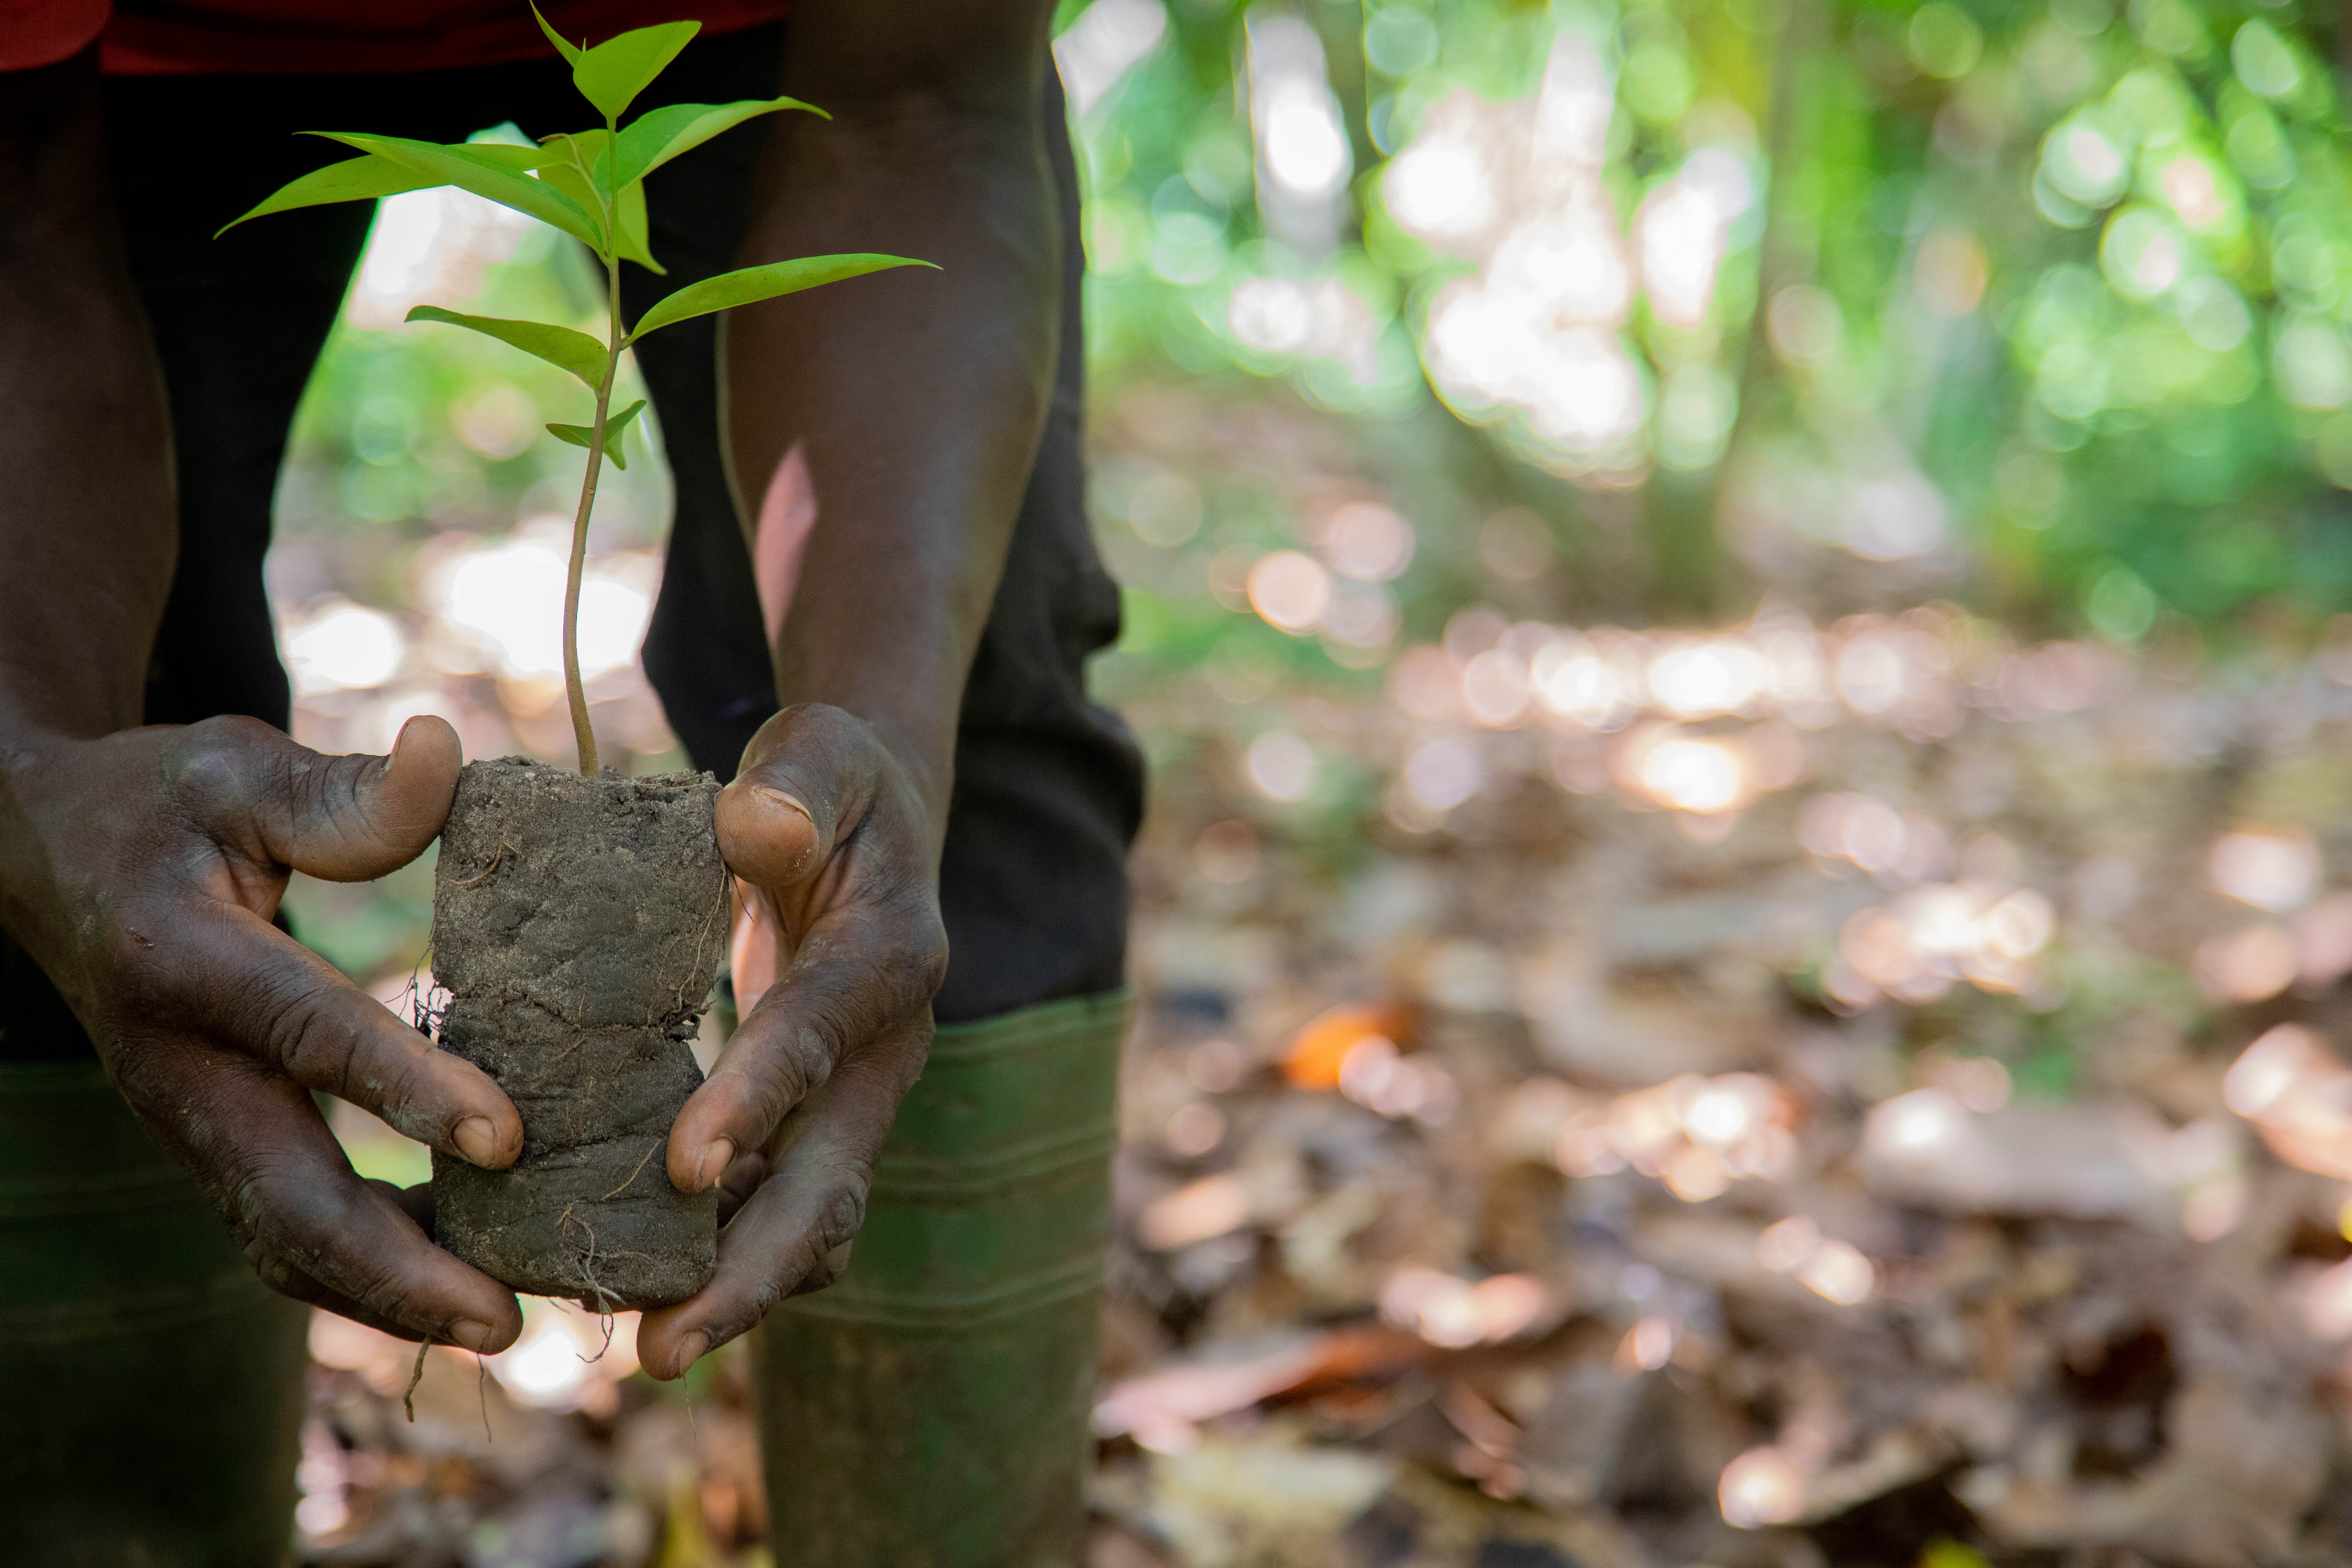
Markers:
932,1407
1048,787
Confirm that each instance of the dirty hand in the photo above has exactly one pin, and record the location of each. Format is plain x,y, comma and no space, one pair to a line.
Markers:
843,946
142,871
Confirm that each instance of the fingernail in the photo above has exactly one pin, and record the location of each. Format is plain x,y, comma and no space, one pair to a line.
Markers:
778,797
477,1140
690,1351
471,1335
400,738
711,1164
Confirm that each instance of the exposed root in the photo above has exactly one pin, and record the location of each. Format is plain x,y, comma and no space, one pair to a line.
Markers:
720,915
605,1319
625,1186
604,1299
416,1376
484,875
579,1031
422,1013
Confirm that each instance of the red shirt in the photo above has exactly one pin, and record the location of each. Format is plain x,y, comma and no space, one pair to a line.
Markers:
328,37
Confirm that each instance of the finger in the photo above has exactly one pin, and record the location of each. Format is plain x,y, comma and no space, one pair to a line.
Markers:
242,982
257,1144
805,782
415,1202
347,819
296,1286
742,1178
768,837
302,1288
793,1232
758,947
858,975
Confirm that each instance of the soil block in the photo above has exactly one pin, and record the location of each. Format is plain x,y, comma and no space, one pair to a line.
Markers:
577,925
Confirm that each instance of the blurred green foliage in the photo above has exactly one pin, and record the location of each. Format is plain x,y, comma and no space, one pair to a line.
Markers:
405,431
2086,272
2041,307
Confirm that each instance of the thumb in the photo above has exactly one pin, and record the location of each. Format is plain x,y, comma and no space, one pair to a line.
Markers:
346,819
803,779
769,835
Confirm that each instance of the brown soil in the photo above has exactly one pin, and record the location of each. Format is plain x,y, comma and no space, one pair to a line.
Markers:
577,926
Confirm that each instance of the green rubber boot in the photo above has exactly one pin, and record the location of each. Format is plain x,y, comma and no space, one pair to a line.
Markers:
929,1410
153,1405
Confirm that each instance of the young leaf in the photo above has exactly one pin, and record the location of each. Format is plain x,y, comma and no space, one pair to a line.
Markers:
585,151
660,134
583,435
566,177
616,423
633,243
581,166
576,434
509,153
578,353
473,167
754,283
372,176
571,52
611,75
354,180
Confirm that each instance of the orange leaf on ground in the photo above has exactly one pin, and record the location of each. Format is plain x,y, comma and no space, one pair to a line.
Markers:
1316,1051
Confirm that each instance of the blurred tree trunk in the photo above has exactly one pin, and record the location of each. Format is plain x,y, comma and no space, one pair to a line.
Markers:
1680,530
1691,575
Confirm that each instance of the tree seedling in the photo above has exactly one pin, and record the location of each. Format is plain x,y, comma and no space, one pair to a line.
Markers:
589,184
578,918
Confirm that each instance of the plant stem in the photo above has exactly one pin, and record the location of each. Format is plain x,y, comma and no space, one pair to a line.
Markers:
577,692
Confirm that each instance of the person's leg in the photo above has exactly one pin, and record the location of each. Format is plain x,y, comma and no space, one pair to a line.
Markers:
930,1408
155,1403
156,1412
154,1390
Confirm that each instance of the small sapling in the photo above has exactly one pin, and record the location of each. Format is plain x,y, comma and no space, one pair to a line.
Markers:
578,920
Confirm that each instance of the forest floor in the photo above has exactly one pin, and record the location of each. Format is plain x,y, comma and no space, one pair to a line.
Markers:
1901,1130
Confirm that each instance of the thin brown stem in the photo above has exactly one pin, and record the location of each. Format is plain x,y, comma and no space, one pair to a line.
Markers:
573,688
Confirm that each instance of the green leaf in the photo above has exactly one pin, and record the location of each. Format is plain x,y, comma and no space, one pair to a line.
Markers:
634,243
571,52
581,165
755,283
583,150
354,180
611,75
578,353
509,153
564,168
660,134
585,435
616,423
472,167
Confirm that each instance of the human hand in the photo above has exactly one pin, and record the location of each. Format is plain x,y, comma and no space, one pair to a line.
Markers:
142,871
843,947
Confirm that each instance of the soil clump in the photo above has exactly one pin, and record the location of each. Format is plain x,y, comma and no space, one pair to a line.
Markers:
578,923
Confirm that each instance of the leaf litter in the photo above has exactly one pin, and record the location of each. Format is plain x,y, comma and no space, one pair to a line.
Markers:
1856,1092
1562,1177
